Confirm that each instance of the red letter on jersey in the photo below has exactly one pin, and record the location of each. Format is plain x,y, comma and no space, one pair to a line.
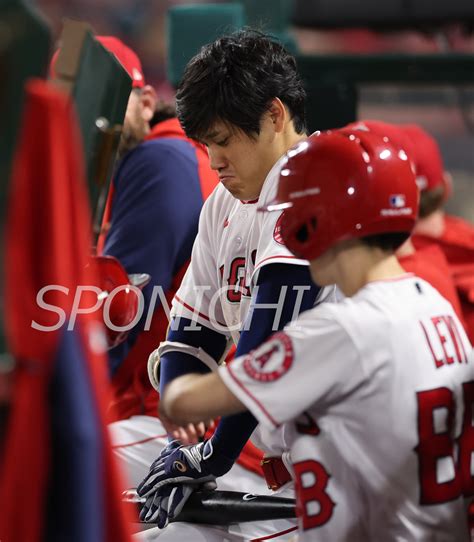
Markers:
311,480
435,445
466,441
236,281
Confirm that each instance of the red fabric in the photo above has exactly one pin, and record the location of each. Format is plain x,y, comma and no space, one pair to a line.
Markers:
430,264
275,473
132,393
251,459
457,244
47,242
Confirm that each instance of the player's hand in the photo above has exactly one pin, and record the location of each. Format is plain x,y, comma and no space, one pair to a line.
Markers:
189,434
175,474
166,504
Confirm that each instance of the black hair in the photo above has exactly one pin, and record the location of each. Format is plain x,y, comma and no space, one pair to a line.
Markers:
163,111
388,242
234,80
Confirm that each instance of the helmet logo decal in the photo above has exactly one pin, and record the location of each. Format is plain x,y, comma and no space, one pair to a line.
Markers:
398,207
397,200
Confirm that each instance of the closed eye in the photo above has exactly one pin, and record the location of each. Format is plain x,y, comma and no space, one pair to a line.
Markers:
223,142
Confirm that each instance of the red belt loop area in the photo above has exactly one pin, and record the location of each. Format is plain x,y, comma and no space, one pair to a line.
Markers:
275,472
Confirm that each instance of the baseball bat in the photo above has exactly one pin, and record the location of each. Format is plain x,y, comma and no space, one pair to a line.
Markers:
227,507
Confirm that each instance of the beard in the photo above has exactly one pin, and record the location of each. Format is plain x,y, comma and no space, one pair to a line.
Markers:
128,141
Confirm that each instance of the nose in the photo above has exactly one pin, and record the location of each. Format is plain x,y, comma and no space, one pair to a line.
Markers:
216,157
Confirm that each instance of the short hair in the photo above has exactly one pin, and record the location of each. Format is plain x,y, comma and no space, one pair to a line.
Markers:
163,111
234,80
388,242
431,200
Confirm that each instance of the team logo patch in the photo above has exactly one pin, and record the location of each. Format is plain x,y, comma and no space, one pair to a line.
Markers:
397,201
277,231
180,466
271,361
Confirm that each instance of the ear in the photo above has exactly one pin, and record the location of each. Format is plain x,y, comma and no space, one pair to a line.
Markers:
278,114
148,100
447,184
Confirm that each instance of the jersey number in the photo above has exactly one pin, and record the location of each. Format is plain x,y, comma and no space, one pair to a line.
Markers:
314,505
437,445
236,280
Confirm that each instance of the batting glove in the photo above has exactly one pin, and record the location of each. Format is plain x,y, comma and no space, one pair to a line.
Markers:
165,504
175,475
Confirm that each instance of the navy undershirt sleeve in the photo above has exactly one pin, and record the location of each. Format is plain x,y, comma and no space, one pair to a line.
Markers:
174,364
234,431
155,213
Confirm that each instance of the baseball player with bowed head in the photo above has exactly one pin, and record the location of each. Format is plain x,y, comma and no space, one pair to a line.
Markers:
375,392
242,97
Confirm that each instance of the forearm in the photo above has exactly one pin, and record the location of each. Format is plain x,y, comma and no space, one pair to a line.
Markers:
193,398
236,426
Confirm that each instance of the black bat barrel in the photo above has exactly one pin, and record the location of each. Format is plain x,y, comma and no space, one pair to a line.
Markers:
226,507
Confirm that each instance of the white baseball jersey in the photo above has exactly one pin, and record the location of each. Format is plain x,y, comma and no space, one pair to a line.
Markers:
234,242
377,393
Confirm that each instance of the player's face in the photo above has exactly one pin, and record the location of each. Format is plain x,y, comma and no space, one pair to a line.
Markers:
241,161
136,125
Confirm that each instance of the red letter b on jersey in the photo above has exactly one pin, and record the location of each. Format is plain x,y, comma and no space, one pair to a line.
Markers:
314,505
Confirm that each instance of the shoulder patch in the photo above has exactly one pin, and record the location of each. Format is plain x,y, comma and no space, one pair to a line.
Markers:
272,360
277,231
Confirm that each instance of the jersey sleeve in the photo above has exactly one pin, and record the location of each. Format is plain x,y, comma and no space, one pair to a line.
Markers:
198,296
311,363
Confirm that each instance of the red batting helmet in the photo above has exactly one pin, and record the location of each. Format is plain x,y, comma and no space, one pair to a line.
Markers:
344,184
124,301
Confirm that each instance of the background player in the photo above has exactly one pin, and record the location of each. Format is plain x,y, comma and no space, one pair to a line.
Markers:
429,261
378,388
452,234
157,192
241,96
150,223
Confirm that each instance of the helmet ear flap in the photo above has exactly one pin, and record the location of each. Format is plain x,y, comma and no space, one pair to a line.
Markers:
307,230
303,236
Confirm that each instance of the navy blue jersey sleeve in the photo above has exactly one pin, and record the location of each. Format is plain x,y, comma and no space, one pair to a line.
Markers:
233,431
288,283
174,364
155,212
